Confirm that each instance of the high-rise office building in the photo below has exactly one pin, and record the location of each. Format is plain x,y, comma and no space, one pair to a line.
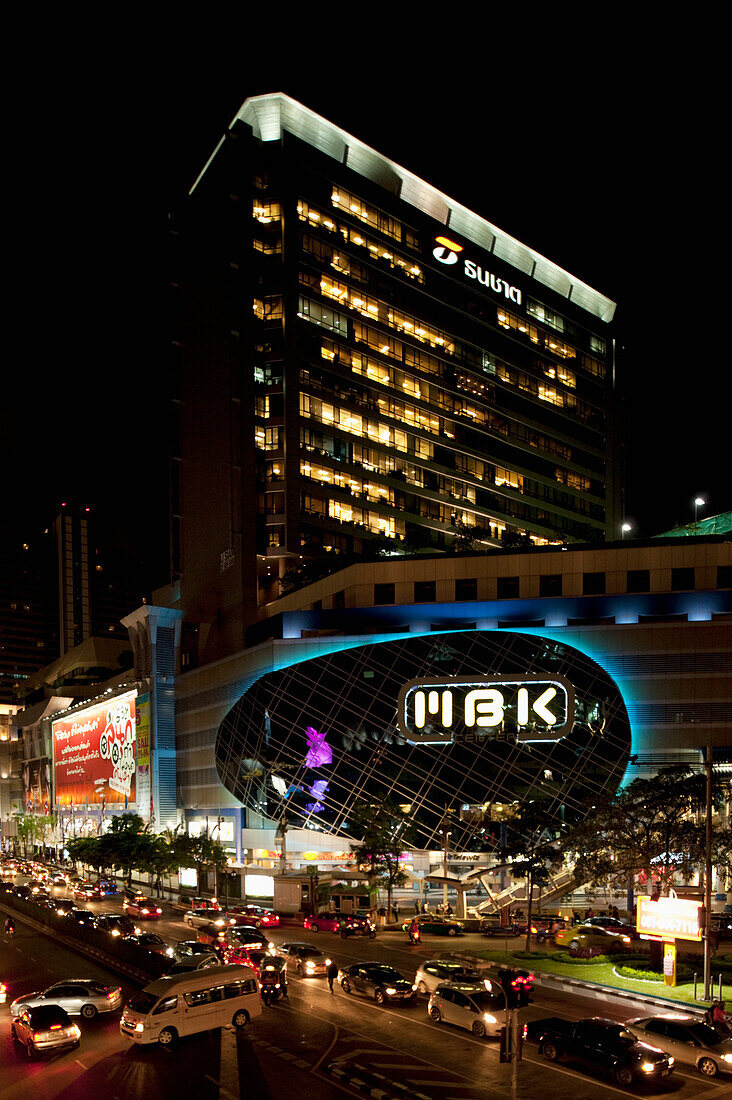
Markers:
362,364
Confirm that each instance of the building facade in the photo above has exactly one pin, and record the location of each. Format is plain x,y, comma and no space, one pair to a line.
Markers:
363,364
639,632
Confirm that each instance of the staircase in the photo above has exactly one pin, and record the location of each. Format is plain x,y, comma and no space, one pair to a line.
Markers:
561,883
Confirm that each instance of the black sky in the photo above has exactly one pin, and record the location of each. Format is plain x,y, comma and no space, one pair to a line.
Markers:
612,169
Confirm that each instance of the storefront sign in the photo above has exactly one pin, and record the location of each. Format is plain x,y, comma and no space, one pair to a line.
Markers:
94,754
530,708
143,755
669,918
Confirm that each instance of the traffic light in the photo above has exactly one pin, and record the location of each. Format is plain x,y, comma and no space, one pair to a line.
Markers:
517,985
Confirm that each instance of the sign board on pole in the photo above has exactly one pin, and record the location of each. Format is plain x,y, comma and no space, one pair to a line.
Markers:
669,918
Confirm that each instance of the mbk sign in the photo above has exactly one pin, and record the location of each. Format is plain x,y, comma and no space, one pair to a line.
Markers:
447,252
446,709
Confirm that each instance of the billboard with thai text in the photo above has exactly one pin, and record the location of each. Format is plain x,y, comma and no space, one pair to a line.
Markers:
94,754
669,918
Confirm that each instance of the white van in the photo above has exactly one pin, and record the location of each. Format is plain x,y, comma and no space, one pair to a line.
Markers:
186,1003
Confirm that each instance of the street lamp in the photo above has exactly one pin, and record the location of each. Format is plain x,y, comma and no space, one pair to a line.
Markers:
699,502
624,529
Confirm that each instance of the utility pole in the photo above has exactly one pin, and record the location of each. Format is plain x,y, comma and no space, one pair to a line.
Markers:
708,880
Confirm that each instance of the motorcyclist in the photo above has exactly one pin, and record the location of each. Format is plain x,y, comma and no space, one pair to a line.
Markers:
414,933
9,926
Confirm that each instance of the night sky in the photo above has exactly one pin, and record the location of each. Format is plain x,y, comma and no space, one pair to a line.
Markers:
616,177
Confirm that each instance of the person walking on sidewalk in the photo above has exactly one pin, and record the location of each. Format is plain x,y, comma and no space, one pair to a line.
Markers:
332,974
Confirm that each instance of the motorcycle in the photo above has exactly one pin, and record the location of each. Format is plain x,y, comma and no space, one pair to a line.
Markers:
415,936
357,928
273,983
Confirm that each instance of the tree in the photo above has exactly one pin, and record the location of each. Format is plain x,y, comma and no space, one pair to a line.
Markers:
32,828
199,852
649,828
466,537
385,832
531,851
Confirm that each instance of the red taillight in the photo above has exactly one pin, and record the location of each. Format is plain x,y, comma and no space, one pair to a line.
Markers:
112,994
56,1027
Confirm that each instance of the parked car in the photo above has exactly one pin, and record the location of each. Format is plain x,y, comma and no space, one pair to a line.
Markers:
688,1039
76,996
492,927
376,980
205,903
722,926
435,972
142,907
595,940
602,1045
436,925
469,1005
307,961
44,1029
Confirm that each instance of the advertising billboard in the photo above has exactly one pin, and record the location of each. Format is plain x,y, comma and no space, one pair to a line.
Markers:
94,753
36,785
669,918
142,777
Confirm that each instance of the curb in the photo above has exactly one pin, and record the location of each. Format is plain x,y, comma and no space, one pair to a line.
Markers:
367,1082
576,985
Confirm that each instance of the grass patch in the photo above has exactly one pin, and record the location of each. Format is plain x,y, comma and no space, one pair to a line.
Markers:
601,970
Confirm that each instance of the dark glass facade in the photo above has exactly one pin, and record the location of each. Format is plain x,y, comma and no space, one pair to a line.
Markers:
318,738
347,382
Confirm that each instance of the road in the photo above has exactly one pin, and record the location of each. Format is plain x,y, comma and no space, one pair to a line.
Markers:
309,1046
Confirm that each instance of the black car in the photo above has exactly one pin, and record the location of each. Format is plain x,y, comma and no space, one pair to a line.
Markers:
23,892
613,924
83,917
376,980
602,1045
150,941
243,935
117,924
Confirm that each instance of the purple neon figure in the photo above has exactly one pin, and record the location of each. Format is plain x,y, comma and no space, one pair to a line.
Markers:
319,752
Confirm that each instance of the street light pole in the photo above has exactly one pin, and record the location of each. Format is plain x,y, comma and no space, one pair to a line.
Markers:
699,502
708,879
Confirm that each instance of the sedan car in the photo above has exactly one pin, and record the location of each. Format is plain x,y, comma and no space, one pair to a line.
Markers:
200,918
117,924
376,980
87,891
688,1038
469,1005
45,1029
322,922
303,958
83,917
254,915
613,924
436,925
142,907
150,941
77,997
595,940
188,951
436,971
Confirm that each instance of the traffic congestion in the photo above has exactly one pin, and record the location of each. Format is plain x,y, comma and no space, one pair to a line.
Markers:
211,966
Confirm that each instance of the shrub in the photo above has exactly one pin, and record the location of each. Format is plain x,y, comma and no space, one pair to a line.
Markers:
683,974
584,958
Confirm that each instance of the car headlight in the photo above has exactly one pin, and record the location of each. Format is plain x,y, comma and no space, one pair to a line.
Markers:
390,991
139,1027
74,1030
489,1019
327,961
625,939
671,1060
414,988
310,966
115,932
169,951
647,1067
727,1057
